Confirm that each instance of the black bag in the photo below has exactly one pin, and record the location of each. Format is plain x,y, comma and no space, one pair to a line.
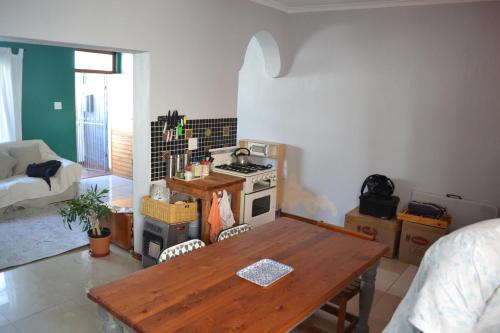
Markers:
378,201
43,170
378,185
426,209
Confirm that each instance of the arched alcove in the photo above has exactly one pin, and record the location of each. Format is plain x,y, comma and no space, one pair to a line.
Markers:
270,51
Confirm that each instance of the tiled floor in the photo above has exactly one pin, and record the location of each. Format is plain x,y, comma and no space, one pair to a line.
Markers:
49,295
119,188
393,280
90,173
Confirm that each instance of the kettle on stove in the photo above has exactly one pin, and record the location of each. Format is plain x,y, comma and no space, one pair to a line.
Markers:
241,156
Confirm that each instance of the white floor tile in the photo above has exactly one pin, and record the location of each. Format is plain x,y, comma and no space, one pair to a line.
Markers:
401,286
3,321
8,329
385,279
42,285
64,318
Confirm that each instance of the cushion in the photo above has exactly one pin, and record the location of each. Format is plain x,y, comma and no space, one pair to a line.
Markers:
7,163
25,155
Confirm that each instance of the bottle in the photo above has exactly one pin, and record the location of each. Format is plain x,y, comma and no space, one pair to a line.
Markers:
205,169
188,175
196,168
171,166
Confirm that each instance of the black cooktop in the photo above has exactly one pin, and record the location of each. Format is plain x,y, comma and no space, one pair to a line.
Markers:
247,169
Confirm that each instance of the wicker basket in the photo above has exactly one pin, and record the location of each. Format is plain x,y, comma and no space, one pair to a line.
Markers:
169,213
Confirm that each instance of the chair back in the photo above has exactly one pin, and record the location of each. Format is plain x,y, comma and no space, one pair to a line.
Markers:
180,249
231,232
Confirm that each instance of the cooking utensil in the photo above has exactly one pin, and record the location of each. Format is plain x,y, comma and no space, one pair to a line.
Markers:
241,156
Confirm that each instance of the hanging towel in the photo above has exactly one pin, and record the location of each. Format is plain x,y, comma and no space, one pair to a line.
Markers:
214,218
226,214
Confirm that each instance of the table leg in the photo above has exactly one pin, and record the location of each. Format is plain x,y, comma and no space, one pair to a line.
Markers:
205,227
110,325
235,206
366,297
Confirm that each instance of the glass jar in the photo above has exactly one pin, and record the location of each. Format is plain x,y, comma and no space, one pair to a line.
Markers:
205,168
196,168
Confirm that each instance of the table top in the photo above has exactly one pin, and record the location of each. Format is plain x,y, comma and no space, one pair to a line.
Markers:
123,203
212,182
200,292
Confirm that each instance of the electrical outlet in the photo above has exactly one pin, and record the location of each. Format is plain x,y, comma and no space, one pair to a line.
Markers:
57,105
188,133
226,131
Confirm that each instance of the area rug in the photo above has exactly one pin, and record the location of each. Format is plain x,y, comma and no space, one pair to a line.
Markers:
31,234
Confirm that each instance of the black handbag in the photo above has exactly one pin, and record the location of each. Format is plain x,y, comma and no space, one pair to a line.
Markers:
378,200
426,209
378,185
43,170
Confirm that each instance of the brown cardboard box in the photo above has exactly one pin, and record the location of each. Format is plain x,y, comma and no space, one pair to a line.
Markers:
416,239
385,231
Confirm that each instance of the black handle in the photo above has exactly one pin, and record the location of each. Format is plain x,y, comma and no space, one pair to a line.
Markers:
237,151
454,196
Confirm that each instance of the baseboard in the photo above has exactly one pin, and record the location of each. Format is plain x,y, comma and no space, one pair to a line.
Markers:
299,218
136,255
328,226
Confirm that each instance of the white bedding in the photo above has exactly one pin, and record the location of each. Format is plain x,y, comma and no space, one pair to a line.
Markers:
22,187
457,287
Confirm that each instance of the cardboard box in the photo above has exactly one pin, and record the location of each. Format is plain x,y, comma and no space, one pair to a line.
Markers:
385,231
416,239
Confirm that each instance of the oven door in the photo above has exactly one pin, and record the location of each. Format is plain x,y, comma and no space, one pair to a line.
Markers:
260,207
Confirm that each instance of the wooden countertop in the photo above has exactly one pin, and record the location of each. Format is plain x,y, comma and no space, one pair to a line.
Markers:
212,182
200,292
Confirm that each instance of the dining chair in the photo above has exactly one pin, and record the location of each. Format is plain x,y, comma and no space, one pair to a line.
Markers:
179,250
337,305
233,231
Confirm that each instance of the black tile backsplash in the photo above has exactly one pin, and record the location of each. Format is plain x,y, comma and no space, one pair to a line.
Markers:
199,126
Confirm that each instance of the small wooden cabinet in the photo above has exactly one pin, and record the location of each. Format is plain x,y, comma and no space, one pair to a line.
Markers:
121,225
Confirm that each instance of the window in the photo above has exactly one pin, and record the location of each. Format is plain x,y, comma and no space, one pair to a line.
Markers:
89,61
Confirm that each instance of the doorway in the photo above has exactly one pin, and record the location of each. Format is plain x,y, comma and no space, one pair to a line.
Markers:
104,112
92,115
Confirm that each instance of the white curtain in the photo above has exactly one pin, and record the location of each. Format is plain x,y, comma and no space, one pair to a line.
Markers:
11,76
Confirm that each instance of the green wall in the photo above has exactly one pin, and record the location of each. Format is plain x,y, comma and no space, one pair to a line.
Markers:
48,77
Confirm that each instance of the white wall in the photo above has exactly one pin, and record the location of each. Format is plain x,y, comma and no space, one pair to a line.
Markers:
413,93
195,49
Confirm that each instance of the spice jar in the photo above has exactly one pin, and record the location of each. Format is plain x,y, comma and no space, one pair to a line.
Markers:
205,168
196,168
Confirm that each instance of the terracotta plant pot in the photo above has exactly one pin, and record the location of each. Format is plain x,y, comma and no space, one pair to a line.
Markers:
99,245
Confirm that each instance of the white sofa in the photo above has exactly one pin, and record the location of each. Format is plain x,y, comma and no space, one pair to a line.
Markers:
24,191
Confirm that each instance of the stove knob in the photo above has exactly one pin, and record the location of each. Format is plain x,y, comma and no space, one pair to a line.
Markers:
255,180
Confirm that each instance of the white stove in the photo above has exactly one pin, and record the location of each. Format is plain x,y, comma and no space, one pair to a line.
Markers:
258,198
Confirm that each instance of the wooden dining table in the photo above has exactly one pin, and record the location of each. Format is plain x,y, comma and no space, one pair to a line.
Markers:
200,292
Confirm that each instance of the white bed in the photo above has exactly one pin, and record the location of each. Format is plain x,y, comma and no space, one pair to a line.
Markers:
457,287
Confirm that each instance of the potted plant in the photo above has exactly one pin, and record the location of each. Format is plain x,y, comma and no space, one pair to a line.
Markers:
88,210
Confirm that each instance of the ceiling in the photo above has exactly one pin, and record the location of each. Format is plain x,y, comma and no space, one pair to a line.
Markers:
301,6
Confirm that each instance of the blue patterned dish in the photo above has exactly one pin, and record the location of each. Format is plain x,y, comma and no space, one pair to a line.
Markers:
264,272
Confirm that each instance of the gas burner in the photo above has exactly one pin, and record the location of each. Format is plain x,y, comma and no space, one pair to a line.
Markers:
245,169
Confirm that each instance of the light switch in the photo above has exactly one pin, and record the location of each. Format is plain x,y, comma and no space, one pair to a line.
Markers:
57,105
192,143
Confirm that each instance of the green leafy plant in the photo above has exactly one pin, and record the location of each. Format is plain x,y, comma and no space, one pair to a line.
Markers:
87,210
